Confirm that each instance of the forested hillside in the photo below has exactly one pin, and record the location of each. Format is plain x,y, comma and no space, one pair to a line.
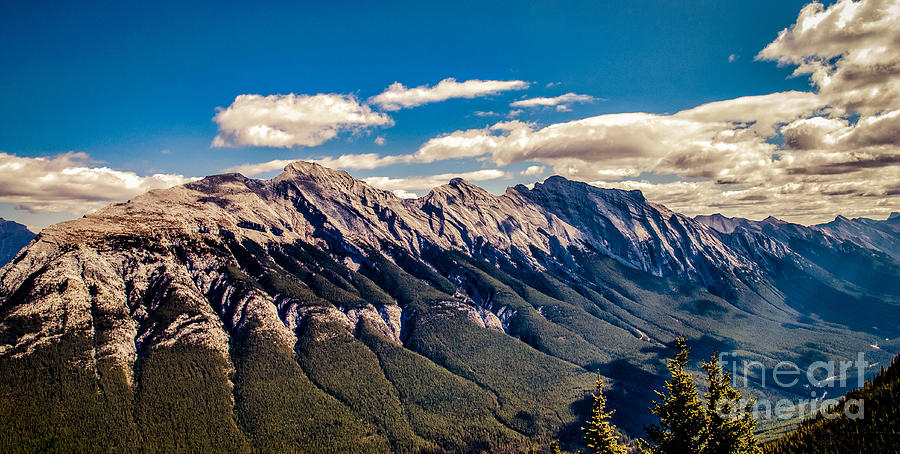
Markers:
878,431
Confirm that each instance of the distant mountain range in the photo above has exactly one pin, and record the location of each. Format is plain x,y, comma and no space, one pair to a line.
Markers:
315,313
13,237
880,235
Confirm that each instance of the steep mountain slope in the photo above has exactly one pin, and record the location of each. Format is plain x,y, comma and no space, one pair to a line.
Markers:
869,233
821,273
13,237
313,312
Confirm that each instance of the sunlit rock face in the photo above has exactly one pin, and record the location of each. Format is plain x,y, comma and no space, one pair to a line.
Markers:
553,282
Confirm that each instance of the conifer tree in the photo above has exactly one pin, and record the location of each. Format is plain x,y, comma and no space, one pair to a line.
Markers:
729,422
599,434
682,419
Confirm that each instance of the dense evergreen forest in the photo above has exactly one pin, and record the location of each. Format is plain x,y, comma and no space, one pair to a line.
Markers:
878,431
715,425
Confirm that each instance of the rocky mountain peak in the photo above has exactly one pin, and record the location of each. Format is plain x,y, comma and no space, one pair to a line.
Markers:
773,220
310,171
563,186
460,190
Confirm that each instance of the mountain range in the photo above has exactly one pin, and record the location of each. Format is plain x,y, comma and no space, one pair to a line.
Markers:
313,312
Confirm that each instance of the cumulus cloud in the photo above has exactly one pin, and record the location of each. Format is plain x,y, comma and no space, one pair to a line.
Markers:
561,102
733,58
405,194
850,51
699,142
287,121
531,171
362,161
379,141
407,184
71,183
398,96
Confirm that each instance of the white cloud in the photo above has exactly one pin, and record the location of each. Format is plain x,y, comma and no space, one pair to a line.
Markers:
803,202
850,50
71,183
697,143
405,194
287,121
489,113
362,161
760,114
812,133
428,182
727,143
531,171
250,170
841,146
379,140
733,58
561,102
398,96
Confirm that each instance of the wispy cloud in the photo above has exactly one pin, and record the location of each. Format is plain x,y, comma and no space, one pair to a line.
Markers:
406,185
561,102
71,183
287,121
362,161
251,170
398,96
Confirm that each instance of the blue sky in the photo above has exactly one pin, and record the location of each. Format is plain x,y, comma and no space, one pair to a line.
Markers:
134,86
